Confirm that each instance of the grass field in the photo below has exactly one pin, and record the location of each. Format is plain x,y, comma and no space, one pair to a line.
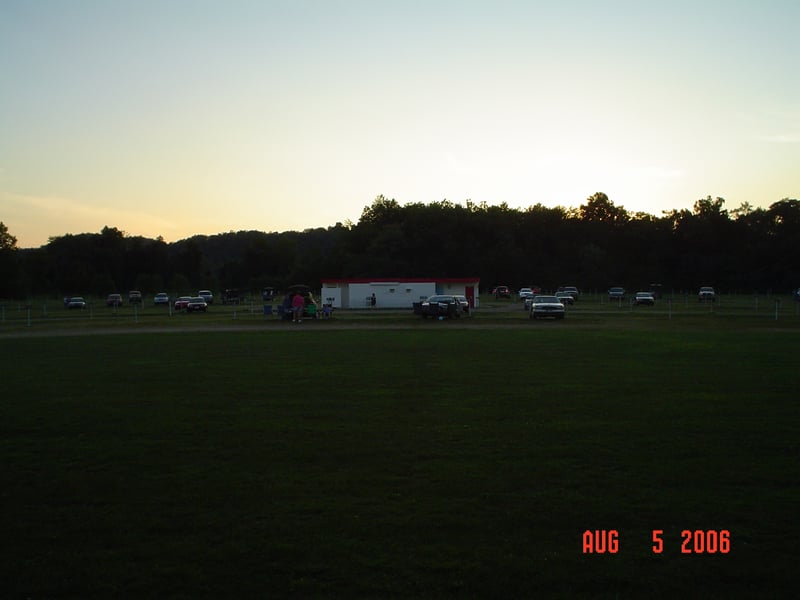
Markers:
437,460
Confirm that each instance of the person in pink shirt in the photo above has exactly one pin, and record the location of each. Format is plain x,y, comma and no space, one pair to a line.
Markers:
298,304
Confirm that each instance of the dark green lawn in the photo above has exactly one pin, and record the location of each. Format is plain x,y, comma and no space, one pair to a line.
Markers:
436,462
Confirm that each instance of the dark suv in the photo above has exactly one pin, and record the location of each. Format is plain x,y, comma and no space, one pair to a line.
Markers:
310,310
502,291
232,296
571,290
441,306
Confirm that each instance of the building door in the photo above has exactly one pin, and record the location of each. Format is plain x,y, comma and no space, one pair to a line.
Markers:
469,292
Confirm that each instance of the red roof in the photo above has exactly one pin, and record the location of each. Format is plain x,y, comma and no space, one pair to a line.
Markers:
406,280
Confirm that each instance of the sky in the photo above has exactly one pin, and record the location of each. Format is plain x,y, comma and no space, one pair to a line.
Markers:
174,118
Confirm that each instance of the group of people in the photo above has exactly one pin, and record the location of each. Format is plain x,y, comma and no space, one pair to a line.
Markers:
296,303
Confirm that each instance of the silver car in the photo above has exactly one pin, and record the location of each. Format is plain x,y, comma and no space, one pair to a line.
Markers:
547,307
616,293
74,302
706,294
644,298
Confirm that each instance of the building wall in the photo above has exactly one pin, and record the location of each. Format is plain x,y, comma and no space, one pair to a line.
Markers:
394,294
388,294
334,294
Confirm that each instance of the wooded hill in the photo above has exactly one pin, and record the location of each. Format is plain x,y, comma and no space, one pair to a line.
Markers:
593,246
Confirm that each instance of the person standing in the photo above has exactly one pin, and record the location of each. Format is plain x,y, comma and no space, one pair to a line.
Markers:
298,304
373,300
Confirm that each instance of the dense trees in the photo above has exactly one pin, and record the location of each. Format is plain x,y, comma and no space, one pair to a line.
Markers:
10,271
7,241
594,246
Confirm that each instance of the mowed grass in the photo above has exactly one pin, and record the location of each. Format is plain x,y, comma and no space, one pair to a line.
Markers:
430,462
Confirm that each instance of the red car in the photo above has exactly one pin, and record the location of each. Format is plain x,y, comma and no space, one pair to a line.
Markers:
182,302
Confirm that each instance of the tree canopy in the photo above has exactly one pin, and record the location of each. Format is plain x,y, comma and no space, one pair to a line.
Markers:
7,241
594,246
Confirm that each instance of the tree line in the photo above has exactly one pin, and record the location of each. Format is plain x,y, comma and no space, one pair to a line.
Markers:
593,246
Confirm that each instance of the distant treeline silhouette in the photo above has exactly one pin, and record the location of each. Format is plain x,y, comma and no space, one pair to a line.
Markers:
593,246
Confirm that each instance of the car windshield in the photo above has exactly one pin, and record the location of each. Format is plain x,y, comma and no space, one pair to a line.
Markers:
545,299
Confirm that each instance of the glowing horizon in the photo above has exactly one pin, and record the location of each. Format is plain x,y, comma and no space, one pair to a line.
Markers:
197,118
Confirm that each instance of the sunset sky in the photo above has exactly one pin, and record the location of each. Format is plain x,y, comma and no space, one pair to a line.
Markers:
180,117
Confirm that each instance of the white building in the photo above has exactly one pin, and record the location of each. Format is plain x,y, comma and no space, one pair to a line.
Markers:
394,293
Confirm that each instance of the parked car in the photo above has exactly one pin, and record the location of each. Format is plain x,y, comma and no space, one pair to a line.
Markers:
571,290
182,302
525,292
134,297
114,300
502,291
197,304
207,296
74,302
644,298
565,298
616,293
161,299
547,307
706,294
441,306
